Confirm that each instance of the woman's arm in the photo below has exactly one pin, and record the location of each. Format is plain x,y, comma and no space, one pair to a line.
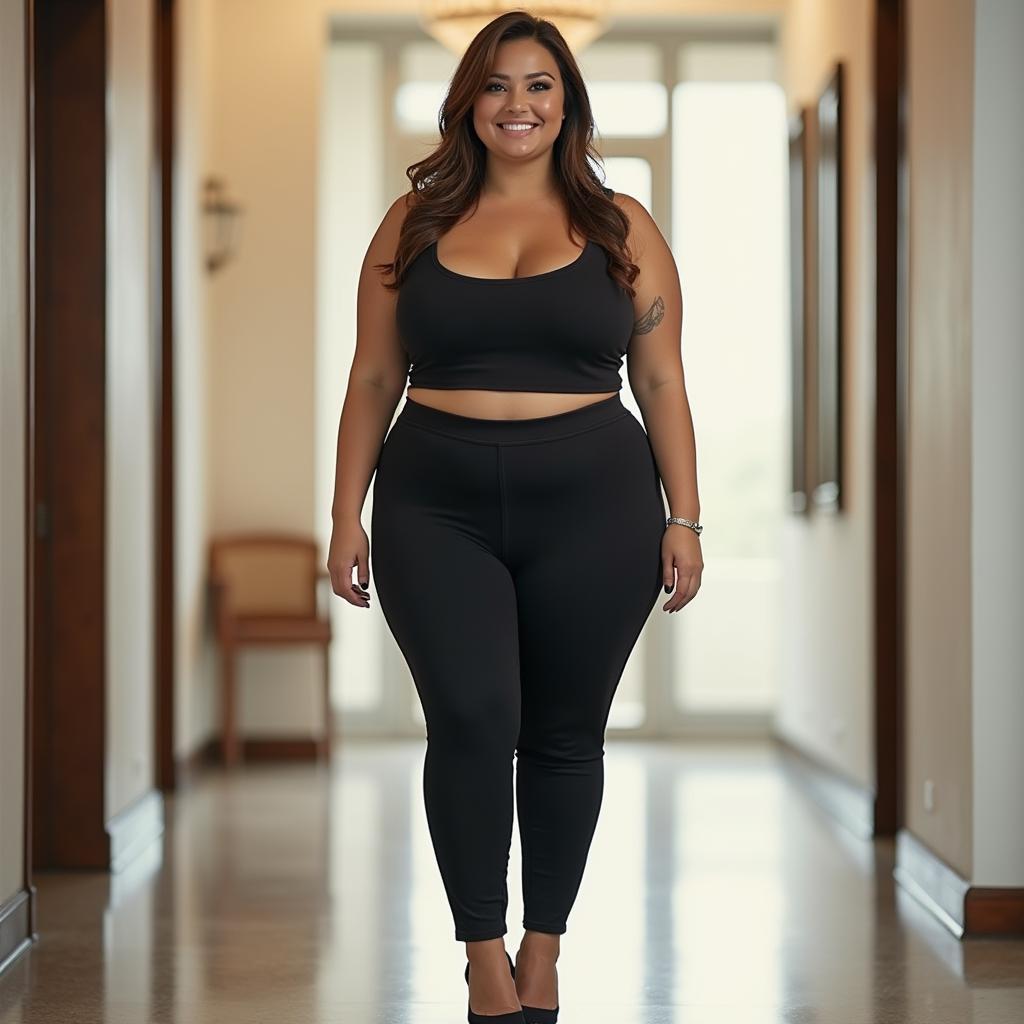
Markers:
376,382
655,371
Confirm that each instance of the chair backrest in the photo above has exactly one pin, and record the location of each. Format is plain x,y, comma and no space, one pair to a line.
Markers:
266,574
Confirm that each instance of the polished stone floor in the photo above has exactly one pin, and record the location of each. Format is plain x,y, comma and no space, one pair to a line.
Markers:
716,892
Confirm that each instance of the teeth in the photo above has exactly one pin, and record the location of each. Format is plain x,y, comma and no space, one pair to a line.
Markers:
517,127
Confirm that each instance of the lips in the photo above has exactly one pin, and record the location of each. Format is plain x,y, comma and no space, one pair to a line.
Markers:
504,126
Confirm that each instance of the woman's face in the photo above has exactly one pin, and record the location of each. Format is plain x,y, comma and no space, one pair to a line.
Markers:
524,86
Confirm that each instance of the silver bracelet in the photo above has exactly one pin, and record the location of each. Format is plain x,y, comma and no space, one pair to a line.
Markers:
696,527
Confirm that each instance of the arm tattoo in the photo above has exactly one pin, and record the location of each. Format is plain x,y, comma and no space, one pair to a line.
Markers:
651,318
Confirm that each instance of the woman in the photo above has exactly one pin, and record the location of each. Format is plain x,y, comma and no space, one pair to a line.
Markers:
519,530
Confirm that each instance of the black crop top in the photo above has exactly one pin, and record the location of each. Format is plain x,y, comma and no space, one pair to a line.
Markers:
565,330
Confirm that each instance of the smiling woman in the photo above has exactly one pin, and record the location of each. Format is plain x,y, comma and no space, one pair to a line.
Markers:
516,481
513,175
521,126
520,107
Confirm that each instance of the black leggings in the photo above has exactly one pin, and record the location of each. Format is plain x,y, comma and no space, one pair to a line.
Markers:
516,562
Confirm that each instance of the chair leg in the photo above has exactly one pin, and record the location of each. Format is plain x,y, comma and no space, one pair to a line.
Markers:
229,737
325,744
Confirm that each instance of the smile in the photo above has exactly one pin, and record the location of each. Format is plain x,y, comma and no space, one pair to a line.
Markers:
518,128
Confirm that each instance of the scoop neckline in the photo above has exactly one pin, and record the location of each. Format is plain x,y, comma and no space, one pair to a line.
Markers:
507,280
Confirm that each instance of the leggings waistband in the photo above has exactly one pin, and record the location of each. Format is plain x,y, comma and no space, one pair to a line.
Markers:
512,431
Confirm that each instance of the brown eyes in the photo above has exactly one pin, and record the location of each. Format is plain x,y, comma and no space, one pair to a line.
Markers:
543,86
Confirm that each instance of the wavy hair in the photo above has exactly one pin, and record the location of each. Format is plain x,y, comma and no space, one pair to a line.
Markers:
447,182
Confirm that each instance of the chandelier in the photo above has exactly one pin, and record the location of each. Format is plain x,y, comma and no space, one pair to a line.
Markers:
454,23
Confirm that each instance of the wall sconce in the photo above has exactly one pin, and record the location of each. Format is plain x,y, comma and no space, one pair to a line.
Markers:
220,224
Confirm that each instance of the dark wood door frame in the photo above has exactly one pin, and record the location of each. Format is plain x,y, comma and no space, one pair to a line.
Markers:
28,883
891,229
66,426
66,510
163,284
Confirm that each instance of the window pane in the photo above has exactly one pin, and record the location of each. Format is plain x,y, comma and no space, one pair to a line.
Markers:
730,190
427,61
626,89
350,205
424,70
621,62
630,109
630,174
728,62
417,106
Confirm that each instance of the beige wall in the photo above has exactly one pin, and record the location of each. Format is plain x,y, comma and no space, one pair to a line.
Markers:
826,704
195,704
265,107
265,104
997,424
938,488
130,407
12,448
829,681
950,681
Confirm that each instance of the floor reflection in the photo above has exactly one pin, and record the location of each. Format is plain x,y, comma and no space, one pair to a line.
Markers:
716,891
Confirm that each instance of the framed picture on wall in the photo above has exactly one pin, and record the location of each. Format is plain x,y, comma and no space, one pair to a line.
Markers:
797,298
829,332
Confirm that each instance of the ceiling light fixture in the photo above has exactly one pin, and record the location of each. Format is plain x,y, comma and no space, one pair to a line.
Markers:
454,23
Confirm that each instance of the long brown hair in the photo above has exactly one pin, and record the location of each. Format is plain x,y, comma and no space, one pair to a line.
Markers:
447,182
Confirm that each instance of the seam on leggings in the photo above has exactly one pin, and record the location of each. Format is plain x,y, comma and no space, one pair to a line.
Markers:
503,504
502,444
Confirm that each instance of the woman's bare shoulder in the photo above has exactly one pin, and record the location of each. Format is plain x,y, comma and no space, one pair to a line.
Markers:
384,243
634,210
397,211
644,232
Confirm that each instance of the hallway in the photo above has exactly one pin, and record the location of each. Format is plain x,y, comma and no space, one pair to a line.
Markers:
812,806
717,891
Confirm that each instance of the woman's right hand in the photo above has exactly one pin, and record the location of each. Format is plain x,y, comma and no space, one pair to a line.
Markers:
350,547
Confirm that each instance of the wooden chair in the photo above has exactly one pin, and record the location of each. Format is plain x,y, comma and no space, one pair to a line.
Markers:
265,590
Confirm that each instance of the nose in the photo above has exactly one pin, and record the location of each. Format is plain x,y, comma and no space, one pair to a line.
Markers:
516,100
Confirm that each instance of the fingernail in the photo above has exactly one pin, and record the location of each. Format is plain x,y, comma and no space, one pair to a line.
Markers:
668,589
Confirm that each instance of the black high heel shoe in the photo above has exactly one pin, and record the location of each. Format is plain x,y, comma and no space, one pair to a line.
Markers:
535,1014
515,1017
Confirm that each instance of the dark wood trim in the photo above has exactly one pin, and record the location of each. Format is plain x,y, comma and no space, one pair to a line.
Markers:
29,480
848,802
208,755
889,440
163,262
283,748
968,911
991,911
67,494
902,418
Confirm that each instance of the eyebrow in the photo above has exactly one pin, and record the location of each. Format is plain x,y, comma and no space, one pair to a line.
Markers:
532,74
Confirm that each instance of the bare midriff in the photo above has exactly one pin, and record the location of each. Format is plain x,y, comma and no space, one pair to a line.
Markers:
503,405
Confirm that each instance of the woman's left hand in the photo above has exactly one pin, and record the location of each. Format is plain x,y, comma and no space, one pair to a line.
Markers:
682,565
